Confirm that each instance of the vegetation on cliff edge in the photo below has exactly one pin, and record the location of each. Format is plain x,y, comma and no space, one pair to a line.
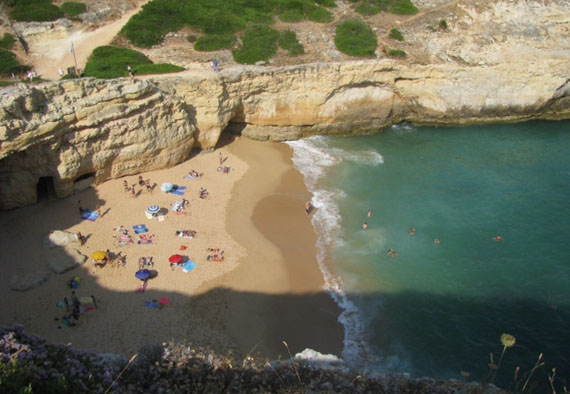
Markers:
112,62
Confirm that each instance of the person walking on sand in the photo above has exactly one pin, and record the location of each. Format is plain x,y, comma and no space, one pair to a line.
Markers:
308,208
80,207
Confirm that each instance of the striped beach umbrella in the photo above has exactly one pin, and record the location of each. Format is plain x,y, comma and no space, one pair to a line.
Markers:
153,209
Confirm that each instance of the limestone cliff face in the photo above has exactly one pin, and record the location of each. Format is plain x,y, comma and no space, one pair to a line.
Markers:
74,128
119,127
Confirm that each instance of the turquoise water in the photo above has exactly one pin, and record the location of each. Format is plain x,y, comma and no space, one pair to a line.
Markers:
440,309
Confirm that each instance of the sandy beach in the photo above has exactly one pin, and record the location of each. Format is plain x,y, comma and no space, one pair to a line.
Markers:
267,290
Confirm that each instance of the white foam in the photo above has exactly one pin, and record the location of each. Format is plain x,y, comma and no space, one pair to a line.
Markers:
366,157
313,157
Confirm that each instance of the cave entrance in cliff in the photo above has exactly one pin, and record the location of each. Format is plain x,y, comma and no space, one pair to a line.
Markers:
45,188
83,182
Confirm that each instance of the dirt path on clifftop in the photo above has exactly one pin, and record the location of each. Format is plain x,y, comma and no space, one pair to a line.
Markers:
49,56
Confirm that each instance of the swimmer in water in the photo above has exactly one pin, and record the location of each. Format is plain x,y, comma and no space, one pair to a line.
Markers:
369,214
498,238
412,231
437,241
365,226
392,253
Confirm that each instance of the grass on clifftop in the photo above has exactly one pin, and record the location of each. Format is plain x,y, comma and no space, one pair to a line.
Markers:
7,42
111,62
33,10
373,7
355,38
148,27
259,44
71,8
9,64
215,42
289,42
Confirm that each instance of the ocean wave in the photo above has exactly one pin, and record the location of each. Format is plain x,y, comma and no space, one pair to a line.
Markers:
367,157
312,157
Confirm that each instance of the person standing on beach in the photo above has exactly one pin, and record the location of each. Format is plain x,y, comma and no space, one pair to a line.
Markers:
308,208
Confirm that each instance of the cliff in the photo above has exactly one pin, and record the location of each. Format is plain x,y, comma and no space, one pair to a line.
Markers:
70,130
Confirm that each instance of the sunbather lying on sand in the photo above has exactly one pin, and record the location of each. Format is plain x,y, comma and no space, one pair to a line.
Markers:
186,233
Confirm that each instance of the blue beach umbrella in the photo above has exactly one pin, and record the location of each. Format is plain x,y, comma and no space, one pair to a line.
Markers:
143,274
153,209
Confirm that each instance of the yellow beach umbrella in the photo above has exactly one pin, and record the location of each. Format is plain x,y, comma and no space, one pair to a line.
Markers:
98,256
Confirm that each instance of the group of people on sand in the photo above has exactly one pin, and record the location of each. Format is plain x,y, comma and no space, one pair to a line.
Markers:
186,233
146,262
143,184
215,254
195,174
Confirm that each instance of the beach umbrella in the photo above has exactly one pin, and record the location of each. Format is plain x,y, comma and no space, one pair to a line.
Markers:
166,187
98,256
175,259
153,209
143,274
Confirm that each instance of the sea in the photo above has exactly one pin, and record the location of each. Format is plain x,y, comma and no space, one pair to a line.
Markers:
478,219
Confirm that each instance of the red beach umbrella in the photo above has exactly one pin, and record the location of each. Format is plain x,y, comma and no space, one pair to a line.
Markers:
175,259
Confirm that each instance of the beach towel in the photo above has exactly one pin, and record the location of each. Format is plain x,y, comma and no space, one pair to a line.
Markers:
179,191
90,215
188,266
191,178
152,304
140,229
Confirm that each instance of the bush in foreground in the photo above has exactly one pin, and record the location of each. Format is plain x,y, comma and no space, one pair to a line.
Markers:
355,38
30,365
112,62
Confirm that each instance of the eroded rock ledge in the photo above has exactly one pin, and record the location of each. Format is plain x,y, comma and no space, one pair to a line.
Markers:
107,129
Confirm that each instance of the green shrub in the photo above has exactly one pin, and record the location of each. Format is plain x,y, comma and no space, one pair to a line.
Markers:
72,8
292,16
326,3
400,7
215,42
9,64
289,42
148,27
192,38
112,62
7,42
397,53
395,34
258,44
403,7
442,24
355,39
35,10
368,8
320,15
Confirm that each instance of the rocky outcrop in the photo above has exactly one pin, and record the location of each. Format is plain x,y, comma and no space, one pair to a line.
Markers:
69,130
107,129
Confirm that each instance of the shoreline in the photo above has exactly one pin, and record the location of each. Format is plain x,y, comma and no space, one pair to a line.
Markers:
269,296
